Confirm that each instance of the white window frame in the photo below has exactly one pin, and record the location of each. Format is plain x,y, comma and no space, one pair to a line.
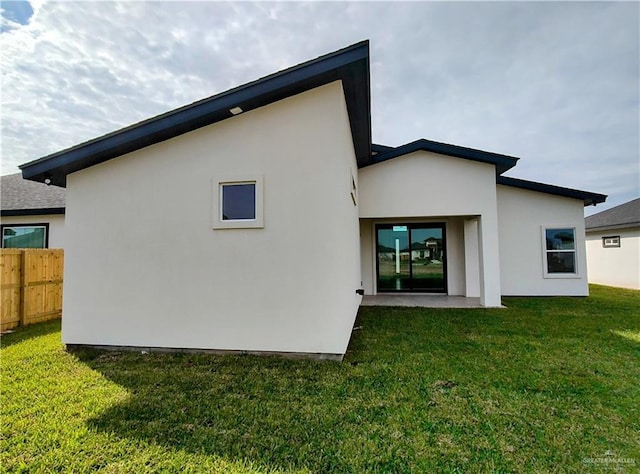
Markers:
216,187
545,269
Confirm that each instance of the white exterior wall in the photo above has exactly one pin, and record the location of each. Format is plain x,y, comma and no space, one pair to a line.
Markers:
471,258
427,184
522,214
614,266
368,256
144,267
56,226
436,187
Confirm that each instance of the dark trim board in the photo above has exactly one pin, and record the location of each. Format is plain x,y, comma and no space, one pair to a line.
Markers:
349,65
144,349
380,149
587,197
501,162
32,212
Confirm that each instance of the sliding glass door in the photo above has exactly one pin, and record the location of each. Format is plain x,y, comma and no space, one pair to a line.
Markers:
411,257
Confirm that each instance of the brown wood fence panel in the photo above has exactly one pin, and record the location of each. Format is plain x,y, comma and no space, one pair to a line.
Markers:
11,281
31,286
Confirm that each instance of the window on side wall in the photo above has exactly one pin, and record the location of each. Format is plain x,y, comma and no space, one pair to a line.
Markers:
237,202
25,236
613,241
560,252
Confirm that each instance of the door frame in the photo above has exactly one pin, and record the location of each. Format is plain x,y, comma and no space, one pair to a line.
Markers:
410,225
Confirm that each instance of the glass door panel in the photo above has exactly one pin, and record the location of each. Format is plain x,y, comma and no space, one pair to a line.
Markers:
427,259
411,257
394,272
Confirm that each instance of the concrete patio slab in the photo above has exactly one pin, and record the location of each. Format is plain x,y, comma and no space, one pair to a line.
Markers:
419,300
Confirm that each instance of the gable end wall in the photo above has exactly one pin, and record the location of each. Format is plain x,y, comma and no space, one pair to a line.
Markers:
145,268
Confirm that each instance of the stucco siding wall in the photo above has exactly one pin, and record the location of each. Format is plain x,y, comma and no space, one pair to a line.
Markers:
615,266
455,256
56,226
145,268
427,184
521,216
368,256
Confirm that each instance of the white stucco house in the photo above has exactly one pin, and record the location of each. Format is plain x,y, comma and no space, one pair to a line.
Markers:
613,246
256,219
31,213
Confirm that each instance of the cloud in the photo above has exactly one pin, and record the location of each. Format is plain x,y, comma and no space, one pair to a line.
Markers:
553,83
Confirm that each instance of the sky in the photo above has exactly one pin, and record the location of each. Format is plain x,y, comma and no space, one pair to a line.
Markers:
556,84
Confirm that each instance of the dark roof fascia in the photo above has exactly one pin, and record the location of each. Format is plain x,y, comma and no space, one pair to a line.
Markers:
587,197
32,212
350,65
501,162
380,149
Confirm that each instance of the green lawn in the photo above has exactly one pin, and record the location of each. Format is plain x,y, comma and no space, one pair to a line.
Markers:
546,385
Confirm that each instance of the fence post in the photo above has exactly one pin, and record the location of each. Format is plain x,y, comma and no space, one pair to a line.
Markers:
23,292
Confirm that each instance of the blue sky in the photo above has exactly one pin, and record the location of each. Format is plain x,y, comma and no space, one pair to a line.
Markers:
16,12
556,84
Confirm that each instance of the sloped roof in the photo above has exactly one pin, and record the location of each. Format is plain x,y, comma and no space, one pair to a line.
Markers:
587,197
624,215
384,153
19,197
350,65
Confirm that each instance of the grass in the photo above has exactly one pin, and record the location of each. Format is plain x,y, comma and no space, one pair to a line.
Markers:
547,385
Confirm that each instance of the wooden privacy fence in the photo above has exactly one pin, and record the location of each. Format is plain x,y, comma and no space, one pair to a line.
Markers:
31,286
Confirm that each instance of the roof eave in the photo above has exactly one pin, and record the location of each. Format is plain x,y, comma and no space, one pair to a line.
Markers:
588,198
32,212
502,163
628,225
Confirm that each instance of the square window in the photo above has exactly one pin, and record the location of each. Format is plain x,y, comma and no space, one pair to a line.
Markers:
238,201
23,236
559,249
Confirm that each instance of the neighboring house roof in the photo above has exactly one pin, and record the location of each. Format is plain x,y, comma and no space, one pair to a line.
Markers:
384,153
350,65
20,197
624,215
587,197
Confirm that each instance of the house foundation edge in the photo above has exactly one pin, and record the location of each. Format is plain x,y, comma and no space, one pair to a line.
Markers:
176,350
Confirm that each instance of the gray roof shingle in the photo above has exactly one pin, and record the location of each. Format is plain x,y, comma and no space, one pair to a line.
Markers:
19,196
624,215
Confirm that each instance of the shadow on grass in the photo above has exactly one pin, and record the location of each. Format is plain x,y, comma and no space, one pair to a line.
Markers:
364,414
29,332
269,412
